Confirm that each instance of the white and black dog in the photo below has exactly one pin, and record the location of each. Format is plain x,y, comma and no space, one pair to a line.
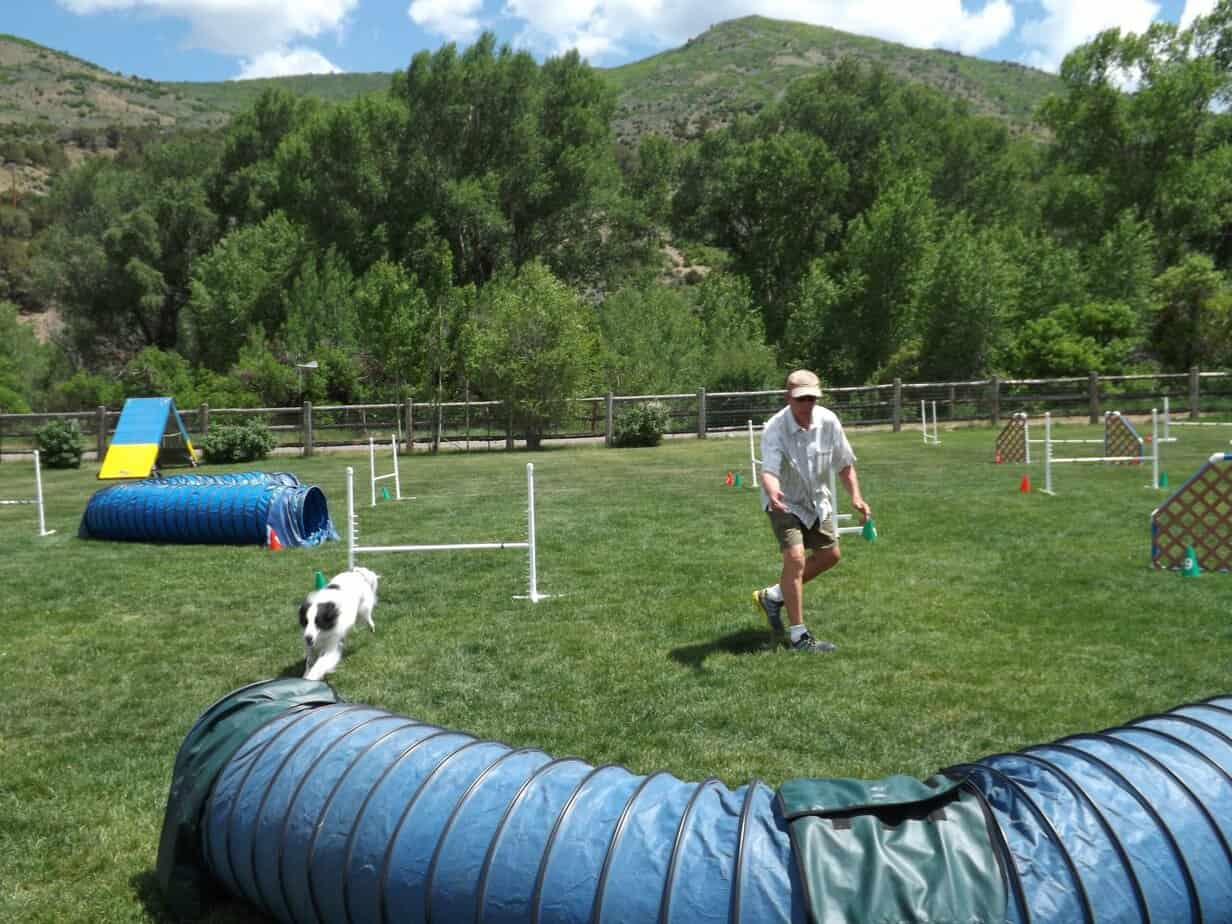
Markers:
328,615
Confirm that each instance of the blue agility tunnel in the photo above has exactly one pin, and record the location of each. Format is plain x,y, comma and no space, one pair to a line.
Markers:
314,809
238,509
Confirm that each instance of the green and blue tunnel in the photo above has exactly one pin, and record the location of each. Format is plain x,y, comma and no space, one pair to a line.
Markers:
317,810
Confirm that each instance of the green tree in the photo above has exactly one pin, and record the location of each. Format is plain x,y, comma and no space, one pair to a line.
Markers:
775,203
888,257
24,362
119,251
534,344
1094,337
652,341
240,284
243,187
734,340
963,304
336,174
1191,301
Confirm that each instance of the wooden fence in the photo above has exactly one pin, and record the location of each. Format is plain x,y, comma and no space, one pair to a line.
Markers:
470,425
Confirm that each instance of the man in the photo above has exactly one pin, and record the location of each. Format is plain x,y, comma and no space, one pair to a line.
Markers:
800,445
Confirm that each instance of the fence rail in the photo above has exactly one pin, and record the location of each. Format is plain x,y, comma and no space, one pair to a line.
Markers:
470,425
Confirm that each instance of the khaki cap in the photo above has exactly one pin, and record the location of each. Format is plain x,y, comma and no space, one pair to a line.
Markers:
802,382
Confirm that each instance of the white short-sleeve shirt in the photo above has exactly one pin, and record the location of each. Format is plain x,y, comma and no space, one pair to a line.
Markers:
803,458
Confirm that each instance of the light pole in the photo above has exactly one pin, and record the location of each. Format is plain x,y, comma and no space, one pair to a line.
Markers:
311,364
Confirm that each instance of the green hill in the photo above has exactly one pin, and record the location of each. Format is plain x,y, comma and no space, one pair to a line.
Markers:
736,66
743,64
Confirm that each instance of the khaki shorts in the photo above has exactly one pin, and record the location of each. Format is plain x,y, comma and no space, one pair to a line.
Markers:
789,531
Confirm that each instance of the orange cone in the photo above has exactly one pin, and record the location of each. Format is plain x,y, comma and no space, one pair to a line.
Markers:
272,541
729,481
1024,486
999,457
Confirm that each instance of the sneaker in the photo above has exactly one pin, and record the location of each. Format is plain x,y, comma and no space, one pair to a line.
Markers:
807,642
772,608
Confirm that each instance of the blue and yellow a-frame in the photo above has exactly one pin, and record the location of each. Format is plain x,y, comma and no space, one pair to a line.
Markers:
146,428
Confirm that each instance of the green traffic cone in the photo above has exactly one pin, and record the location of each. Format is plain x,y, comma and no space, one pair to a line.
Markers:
320,580
739,483
385,493
869,532
1189,567
1163,479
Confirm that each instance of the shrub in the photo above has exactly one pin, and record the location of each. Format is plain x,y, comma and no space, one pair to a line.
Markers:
241,443
59,443
642,424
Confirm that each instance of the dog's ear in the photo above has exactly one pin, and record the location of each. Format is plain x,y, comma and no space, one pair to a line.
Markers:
327,615
303,613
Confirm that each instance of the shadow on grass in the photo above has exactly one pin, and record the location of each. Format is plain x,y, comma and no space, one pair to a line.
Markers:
744,642
215,904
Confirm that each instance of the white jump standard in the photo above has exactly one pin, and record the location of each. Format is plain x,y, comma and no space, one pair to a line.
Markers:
36,501
373,477
934,438
533,594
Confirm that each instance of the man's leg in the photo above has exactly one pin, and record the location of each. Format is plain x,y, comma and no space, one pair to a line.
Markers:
791,583
820,562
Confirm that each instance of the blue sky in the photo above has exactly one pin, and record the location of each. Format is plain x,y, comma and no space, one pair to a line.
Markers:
206,40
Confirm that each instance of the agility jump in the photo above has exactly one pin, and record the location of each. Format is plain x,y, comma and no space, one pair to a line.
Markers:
1119,437
1198,516
36,501
533,594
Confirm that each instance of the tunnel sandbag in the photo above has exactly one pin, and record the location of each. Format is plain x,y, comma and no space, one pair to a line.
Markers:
895,849
342,812
239,508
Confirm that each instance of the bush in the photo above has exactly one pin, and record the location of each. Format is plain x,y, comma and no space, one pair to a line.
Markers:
243,443
641,425
59,444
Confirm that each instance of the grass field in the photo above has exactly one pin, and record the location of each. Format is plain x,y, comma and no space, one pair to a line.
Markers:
981,620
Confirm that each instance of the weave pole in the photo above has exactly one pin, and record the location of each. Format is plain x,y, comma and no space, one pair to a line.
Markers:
533,593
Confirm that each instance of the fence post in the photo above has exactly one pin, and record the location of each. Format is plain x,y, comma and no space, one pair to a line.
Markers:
100,432
609,429
896,414
1194,392
509,427
1093,396
409,430
203,420
306,426
994,399
701,413
953,399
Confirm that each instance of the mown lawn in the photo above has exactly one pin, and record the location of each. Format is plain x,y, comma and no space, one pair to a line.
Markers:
981,620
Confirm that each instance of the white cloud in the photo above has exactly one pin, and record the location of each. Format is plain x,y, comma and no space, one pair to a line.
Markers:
456,20
1067,24
287,62
1194,9
243,28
